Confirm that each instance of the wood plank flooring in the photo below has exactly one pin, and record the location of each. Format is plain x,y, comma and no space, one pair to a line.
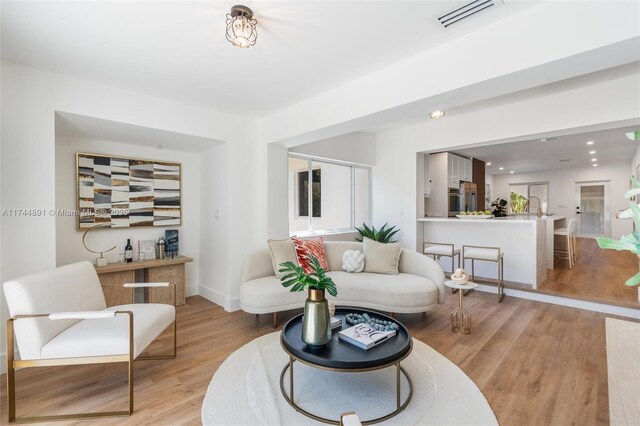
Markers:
598,276
535,363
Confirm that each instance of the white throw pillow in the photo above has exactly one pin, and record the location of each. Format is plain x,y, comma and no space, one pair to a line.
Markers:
353,261
381,258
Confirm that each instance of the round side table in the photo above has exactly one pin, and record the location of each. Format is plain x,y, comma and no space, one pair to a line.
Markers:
460,319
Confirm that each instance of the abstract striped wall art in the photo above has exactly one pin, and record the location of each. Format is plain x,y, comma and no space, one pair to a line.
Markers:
121,192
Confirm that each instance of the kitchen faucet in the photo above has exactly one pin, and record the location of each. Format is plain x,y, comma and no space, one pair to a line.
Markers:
539,211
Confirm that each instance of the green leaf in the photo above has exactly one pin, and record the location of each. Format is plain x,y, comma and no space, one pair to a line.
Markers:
632,192
633,281
609,243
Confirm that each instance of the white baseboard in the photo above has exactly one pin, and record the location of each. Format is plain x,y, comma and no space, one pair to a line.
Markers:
212,295
232,305
565,301
191,290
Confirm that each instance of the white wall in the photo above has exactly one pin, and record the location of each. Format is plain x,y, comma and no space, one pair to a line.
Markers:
30,99
562,192
605,104
357,147
69,246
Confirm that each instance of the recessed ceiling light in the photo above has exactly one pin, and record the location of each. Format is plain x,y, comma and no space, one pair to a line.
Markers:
595,165
439,113
589,142
592,152
543,139
501,168
488,164
594,159
511,171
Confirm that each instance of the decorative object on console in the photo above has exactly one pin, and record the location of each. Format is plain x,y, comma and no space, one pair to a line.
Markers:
147,248
376,323
307,249
172,248
316,326
381,258
353,261
282,251
128,251
629,242
126,192
460,277
100,261
382,235
500,207
162,245
241,27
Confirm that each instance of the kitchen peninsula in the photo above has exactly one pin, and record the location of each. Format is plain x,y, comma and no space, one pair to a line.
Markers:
527,243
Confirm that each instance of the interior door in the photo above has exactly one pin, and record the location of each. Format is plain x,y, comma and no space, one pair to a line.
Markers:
593,209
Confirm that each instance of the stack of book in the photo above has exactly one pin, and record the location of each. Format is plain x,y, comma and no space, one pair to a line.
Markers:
364,336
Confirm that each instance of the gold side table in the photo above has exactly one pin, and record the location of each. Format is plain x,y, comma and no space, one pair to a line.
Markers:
461,319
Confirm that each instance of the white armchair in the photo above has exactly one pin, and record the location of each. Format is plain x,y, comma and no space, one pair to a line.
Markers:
60,317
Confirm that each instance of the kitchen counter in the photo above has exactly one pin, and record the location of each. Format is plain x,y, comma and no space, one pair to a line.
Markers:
523,241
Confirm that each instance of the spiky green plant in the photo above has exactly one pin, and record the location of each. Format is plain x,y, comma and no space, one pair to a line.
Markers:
296,278
629,242
382,235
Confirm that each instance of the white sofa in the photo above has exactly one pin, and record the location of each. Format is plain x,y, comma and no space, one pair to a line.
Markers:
417,288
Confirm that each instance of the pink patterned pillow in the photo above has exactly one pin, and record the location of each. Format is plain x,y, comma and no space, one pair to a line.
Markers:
306,248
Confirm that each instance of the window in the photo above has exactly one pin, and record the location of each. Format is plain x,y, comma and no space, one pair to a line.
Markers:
339,198
520,195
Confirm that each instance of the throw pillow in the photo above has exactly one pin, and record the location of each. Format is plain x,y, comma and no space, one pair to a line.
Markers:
306,248
381,258
282,251
353,261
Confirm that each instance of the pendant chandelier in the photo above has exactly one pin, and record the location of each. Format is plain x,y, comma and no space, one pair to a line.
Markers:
241,27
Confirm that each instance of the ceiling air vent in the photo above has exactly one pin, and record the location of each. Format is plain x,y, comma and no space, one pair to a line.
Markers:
466,11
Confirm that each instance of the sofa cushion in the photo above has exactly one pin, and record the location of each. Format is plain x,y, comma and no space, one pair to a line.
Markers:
110,336
381,258
282,251
378,291
307,248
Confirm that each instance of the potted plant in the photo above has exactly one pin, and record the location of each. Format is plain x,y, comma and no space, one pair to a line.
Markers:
629,242
316,324
382,235
500,207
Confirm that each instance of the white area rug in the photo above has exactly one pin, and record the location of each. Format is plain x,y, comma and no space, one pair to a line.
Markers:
623,368
246,390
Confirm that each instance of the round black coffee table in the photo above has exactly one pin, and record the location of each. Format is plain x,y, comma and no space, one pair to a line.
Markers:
344,357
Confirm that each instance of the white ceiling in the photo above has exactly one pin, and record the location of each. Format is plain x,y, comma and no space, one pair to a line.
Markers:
611,146
178,49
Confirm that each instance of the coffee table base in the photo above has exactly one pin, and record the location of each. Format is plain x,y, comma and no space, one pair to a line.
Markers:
399,406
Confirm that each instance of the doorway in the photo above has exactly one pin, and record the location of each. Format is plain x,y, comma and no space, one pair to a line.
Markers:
593,209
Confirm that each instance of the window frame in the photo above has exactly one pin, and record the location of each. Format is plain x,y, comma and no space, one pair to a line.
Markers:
311,159
528,184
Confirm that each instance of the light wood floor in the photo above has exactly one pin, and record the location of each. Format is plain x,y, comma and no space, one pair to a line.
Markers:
535,363
598,275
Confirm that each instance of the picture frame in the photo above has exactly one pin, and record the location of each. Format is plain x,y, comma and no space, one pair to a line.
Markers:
124,192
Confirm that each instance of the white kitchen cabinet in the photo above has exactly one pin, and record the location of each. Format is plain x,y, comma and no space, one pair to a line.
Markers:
467,175
453,178
427,177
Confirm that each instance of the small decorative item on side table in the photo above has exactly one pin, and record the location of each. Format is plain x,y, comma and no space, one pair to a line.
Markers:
460,319
316,324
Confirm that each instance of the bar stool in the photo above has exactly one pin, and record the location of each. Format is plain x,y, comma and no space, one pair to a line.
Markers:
442,249
488,254
570,234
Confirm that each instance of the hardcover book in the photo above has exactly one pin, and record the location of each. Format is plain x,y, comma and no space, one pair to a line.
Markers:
364,336
335,322
148,248
172,248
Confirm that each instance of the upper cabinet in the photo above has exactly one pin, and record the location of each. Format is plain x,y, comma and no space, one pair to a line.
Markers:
427,176
459,170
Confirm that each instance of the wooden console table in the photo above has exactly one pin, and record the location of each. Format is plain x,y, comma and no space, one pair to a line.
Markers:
114,275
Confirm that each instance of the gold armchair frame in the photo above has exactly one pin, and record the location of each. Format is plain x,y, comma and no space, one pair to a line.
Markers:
13,364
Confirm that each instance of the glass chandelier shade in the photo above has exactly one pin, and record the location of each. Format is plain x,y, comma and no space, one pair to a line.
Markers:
241,27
